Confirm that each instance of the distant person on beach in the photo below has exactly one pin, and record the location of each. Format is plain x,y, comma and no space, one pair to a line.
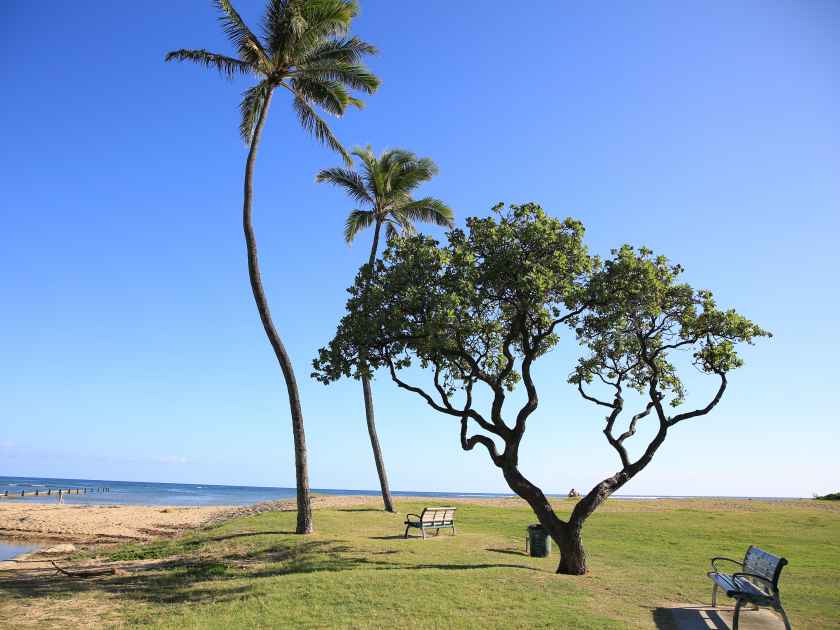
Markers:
573,493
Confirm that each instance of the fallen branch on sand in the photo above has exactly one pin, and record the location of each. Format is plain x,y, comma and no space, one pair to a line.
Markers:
86,573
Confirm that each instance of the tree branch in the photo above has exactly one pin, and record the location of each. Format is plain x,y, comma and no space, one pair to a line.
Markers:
616,444
631,430
702,412
593,399
469,443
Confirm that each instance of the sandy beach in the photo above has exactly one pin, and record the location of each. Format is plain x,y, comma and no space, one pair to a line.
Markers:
94,524
88,524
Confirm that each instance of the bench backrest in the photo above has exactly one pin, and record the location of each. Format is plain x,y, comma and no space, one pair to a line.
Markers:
768,566
432,516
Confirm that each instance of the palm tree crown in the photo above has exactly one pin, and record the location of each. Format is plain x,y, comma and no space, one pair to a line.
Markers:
384,188
304,48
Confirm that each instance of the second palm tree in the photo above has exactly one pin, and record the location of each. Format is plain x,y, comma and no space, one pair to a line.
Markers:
383,189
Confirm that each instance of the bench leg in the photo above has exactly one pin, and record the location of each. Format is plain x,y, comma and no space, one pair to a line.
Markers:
406,531
437,531
784,617
738,603
453,530
714,586
423,531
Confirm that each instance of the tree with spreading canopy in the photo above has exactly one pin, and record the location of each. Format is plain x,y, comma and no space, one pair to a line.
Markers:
383,189
303,48
483,307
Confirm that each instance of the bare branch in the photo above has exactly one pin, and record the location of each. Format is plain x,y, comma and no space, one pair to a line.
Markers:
616,444
702,412
631,430
593,399
446,408
469,443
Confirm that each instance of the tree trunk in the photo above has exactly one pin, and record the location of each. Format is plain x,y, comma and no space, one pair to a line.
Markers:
572,554
368,396
304,508
377,450
565,534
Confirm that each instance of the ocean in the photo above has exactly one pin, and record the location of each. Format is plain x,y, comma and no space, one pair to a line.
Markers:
183,494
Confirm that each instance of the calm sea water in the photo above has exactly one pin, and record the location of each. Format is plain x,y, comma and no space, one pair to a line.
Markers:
146,493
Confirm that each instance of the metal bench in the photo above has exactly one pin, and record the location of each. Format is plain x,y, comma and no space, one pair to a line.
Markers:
435,518
757,582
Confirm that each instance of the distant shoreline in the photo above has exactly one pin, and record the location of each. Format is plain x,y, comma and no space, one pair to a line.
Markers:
175,494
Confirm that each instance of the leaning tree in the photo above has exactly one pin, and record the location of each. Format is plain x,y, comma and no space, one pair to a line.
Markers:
384,191
305,50
483,307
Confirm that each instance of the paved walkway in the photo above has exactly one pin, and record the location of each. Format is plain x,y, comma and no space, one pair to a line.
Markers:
692,617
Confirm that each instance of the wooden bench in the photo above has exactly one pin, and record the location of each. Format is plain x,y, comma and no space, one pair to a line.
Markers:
757,582
435,518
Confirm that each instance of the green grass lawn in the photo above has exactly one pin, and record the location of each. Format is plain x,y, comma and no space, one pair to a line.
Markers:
357,571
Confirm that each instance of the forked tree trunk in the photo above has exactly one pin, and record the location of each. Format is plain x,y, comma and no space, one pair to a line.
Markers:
368,396
572,554
566,535
304,508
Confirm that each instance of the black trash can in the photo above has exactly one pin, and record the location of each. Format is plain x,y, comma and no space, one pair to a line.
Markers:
538,542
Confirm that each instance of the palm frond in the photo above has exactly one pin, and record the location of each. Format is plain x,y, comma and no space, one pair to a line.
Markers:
227,66
391,163
348,180
247,44
327,18
406,227
342,50
357,221
353,75
331,96
426,210
253,100
313,123
414,172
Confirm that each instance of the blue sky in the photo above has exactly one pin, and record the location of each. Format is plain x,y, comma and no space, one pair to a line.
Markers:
131,348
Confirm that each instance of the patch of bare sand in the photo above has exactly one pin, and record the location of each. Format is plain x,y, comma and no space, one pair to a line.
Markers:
88,524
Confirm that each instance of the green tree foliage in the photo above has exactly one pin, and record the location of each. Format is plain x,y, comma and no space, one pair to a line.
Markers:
483,307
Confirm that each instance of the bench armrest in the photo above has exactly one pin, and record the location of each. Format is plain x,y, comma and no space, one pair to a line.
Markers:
720,558
417,516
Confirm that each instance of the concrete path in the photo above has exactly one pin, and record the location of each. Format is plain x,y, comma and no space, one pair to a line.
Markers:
693,617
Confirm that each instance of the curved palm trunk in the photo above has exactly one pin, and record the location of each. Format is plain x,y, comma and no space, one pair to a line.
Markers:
304,509
368,396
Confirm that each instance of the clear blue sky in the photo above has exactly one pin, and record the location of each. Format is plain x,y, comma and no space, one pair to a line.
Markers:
130,347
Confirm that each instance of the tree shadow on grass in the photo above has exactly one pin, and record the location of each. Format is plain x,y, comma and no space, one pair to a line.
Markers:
511,552
245,535
211,578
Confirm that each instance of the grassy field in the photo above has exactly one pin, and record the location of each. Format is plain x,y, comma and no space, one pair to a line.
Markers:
357,571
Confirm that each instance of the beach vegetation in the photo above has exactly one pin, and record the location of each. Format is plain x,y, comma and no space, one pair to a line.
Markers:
832,496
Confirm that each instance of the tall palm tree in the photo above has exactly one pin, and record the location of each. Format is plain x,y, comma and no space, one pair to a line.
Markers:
383,189
305,49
